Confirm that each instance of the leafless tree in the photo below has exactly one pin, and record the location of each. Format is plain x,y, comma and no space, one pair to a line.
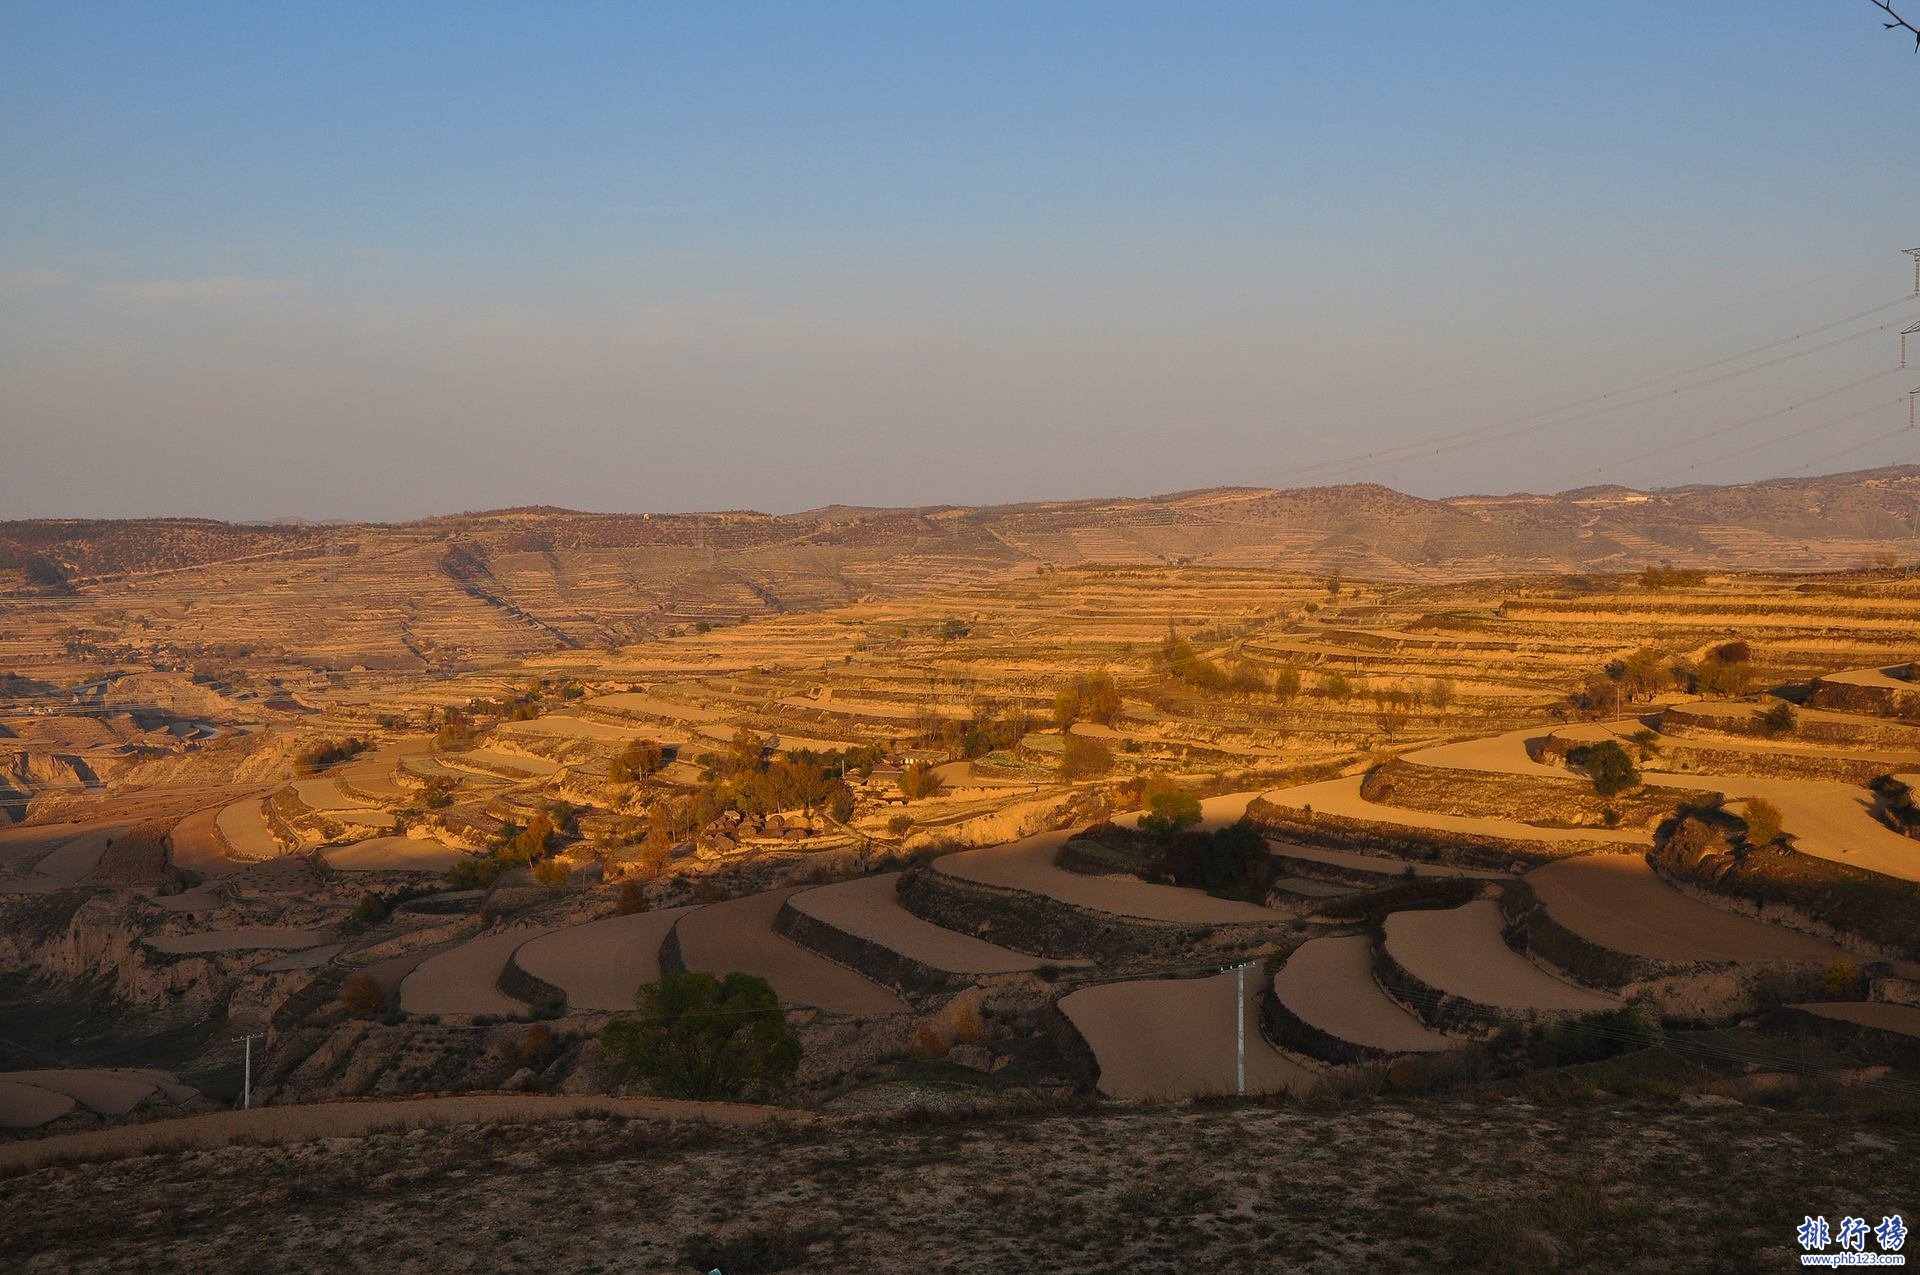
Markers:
1898,23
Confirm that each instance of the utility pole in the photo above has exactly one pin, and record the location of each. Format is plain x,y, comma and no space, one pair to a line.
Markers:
246,1081
1240,1028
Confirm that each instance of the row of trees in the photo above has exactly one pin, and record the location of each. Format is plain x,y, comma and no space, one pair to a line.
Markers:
1725,669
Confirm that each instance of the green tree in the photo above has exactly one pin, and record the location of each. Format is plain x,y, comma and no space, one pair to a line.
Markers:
1780,719
1169,812
706,1038
1610,768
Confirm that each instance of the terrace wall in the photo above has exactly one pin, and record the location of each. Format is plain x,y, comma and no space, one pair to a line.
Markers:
1570,802
1419,845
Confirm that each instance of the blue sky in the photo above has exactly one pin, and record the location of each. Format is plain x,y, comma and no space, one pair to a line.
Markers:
383,261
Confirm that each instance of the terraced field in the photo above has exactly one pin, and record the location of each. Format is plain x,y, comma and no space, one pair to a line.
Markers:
1458,952
1426,750
739,935
1169,1038
1328,983
869,909
1028,866
1620,903
29,1099
464,980
600,965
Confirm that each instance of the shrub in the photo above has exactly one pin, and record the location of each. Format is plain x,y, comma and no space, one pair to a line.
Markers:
1611,770
898,824
317,757
633,898
1763,822
371,909
839,801
1780,719
929,1044
918,781
1841,980
967,1027
361,994
1082,758
1286,684
702,1037
1231,861
1170,812
1666,577
475,874
552,872
1592,1037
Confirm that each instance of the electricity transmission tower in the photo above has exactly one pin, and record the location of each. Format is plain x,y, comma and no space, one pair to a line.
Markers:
1915,254
1904,334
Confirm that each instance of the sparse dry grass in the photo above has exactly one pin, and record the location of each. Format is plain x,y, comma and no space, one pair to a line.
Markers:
1602,1183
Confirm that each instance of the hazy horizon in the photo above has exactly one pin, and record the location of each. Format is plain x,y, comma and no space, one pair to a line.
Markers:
320,520
370,264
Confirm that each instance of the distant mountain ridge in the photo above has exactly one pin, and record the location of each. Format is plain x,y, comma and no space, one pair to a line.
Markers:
593,576
1365,528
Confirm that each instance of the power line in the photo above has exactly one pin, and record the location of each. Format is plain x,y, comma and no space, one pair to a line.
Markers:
1540,418
1721,430
1799,433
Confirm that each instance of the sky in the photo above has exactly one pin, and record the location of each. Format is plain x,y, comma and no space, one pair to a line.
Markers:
389,260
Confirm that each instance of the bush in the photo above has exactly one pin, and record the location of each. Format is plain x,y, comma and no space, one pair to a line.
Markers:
1780,720
1665,577
536,1049
1763,822
918,781
929,1044
318,757
1232,862
371,909
1592,1037
552,873
1081,758
361,994
898,824
475,874
1611,770
633,898
702,1037
1841,980
1170,812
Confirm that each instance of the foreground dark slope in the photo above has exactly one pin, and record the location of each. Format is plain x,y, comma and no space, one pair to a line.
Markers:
1591,1183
